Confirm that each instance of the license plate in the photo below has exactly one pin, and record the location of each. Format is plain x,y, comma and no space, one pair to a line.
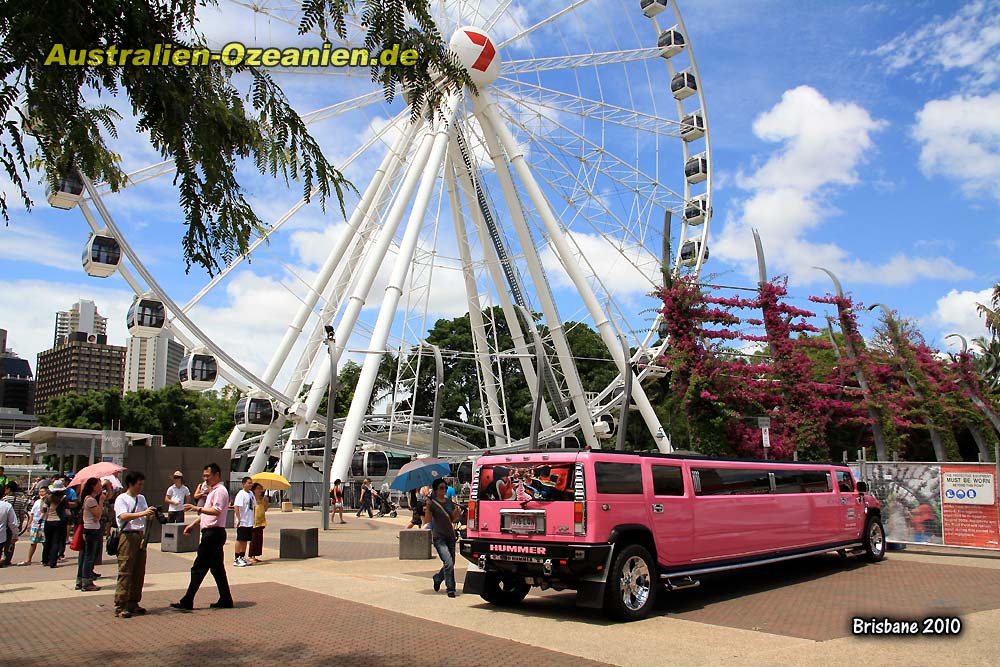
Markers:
526,523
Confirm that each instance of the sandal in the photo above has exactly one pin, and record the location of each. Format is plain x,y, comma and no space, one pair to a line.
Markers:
23,563
123,613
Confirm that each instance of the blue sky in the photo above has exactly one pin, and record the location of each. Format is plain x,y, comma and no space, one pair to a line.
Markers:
861,136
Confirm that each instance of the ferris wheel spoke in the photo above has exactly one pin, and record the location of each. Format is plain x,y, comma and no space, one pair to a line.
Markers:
636,178
602,209
590,109
294,20
577,60
544,22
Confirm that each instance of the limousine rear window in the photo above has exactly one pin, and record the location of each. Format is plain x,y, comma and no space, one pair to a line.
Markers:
526,481
618,478
667,481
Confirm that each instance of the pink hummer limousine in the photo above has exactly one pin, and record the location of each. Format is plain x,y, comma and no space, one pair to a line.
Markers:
615,526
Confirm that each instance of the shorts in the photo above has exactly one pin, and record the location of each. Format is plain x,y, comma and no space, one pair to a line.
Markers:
340,505
244,533
37,534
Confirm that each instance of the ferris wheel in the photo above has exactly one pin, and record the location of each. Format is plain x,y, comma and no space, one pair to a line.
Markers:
549,191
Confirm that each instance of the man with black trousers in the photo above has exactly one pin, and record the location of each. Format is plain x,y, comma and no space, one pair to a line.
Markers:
211,556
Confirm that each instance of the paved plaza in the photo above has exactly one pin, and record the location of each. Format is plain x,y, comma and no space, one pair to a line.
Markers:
358,604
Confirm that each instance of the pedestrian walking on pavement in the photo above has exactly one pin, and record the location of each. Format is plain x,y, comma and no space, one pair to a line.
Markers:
337,496
36,533
366,498
93,507
442,512
211,555
243,506
131,513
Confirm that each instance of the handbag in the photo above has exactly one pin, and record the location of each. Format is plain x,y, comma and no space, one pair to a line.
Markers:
76,544
111,545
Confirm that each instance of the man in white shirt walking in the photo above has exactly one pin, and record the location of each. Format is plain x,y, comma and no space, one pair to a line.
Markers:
131,513
177,495
8,525
244,506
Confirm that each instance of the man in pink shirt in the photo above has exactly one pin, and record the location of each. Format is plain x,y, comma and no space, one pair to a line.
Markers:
212,518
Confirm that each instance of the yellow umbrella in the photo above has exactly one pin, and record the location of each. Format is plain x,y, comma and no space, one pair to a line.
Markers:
271,481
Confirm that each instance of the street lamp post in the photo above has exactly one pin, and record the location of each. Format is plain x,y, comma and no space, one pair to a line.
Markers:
439,385
328,439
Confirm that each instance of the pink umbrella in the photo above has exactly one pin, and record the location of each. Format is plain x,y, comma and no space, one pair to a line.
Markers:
98,470
115,484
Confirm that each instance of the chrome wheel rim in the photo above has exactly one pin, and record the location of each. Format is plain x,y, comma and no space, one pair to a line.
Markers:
635,583
876,539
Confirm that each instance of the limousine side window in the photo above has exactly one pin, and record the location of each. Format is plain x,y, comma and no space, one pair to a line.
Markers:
667,481
844,482
732,482
618,477
801,481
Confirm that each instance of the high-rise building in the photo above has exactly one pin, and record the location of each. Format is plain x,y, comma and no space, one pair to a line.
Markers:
152,363
82,316
78,365
17,386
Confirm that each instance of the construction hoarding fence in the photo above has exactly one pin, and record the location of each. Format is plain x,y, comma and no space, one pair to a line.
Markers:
947,504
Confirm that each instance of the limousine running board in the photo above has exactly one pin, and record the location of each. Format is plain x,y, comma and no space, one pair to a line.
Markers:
666,577
676,583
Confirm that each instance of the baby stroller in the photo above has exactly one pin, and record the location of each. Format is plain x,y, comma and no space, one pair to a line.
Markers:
383,505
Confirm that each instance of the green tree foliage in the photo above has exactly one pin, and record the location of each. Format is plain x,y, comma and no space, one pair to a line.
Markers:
194,116
184,418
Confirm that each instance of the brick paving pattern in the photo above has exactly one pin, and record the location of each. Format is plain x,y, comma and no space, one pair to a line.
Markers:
272,625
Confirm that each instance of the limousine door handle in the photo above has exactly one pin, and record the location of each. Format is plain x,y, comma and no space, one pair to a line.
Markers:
843,501
657,508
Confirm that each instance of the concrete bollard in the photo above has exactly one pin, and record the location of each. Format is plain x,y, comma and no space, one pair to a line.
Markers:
175,541
286,506
299,543
414,544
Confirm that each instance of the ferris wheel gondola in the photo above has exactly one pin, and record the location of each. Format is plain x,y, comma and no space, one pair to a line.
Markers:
146,317
198,370
101,255
254,414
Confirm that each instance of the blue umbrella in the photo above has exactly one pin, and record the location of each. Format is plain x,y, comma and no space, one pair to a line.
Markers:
421,472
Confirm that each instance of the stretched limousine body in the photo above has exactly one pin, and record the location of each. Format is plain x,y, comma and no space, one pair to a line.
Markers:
616,527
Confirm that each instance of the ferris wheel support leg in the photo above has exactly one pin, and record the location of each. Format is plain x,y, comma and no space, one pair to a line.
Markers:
480,344
393,291
486,111
491,132
497,277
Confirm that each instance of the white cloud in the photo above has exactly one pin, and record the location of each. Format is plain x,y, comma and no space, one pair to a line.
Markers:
26,242
960,139
822,145
969,40
619,275
956,313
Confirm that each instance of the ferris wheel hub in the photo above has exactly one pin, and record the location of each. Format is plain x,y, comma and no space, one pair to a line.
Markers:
477,53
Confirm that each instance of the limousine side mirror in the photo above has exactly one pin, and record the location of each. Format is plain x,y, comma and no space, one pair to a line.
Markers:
862,487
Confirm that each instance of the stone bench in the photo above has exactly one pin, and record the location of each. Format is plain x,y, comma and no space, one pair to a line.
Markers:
175,541
414,544
299,543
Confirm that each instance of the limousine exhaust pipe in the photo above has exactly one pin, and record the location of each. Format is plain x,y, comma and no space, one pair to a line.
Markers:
680,583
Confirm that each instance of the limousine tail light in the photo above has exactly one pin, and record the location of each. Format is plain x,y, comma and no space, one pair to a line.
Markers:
473,522
579,502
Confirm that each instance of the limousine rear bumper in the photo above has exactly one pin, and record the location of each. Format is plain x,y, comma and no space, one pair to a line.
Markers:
537,559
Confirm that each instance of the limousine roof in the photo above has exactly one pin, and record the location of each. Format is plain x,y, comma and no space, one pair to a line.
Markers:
686,456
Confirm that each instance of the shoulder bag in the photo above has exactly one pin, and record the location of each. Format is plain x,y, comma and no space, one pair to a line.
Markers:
111,546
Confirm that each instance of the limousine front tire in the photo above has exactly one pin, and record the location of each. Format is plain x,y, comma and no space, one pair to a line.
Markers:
630,593
503,591
874,540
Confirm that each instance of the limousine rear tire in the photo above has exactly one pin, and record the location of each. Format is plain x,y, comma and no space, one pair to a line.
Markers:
504,591
874,540
630,592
